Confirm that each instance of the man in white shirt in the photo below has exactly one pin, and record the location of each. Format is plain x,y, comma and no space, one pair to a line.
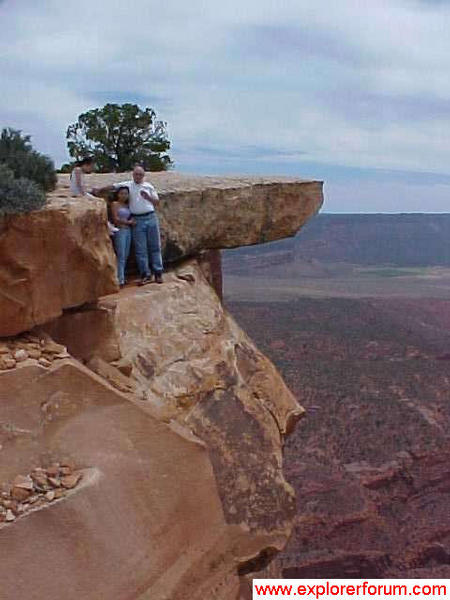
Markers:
146,236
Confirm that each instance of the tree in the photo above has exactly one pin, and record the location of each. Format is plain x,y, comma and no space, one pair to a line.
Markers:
16,153
118,136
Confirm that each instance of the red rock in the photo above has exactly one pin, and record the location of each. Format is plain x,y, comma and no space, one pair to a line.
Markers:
76,264
51,347
70,481
40,479
25,483
44,362
20,494
53,470
7,362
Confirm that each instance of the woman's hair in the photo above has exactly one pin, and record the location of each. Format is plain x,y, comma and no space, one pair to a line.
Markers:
116,192
88,160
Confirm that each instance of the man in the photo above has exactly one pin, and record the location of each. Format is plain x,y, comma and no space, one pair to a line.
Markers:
146,236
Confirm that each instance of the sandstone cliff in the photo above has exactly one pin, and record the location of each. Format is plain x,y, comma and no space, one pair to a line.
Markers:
60,257
141,432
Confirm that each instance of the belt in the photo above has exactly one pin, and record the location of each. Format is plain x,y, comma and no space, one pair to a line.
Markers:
151,212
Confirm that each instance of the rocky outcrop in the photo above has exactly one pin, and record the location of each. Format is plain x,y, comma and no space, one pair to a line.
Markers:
144,521
141,431
175,427
200,213
61,256
55,258
189,362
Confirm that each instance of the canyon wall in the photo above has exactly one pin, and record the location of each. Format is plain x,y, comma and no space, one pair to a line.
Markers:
141,431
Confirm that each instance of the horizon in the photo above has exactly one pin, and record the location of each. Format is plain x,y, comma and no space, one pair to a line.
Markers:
312,90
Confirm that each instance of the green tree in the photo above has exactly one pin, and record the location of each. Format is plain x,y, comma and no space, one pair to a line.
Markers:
16,153
119,135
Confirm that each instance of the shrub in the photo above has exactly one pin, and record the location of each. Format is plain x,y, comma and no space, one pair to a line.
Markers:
17,154
18,195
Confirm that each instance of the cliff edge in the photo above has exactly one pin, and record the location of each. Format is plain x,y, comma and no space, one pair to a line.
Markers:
141,431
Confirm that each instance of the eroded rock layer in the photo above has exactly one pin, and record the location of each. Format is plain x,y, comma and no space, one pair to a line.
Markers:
61,256
146,520
202,213
141,432
187,361
55,258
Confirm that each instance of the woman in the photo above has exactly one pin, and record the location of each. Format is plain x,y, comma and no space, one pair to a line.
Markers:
78,187
121,217
82,168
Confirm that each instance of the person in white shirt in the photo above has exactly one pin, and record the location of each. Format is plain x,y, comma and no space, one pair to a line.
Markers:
146,235
78,186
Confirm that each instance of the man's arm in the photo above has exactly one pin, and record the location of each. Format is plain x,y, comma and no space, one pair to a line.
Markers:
102,190
109,188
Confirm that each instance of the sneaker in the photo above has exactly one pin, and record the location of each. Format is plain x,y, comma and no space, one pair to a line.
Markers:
158,277
145,280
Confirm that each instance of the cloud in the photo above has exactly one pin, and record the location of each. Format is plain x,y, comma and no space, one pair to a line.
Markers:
244,86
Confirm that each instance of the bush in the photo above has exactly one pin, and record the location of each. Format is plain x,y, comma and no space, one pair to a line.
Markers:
18,195
17,154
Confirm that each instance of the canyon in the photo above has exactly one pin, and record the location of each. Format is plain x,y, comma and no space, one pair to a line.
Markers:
359,327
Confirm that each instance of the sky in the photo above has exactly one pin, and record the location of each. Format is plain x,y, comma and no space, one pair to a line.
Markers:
355,93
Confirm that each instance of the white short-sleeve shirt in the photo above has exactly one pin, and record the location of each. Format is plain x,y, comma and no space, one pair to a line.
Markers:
138,204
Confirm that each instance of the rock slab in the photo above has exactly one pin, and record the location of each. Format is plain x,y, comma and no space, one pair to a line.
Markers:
144,521
190,363
204,213
61,256
55,258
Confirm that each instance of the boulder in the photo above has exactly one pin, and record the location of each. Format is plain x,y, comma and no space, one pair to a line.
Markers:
137,516
192,364
55,258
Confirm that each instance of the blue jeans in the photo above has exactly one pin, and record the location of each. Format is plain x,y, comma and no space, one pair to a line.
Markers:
147,244
122,244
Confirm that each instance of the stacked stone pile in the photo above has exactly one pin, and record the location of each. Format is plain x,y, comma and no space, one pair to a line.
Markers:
30,347
37,489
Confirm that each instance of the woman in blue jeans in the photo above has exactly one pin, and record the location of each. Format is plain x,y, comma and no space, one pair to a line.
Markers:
121,217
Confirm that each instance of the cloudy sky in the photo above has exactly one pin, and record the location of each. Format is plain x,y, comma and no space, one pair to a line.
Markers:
356,93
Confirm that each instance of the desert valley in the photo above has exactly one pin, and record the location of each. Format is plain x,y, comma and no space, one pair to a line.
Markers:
355,313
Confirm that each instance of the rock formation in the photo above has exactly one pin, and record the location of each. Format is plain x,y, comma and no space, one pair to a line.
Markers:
141,432
60,257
